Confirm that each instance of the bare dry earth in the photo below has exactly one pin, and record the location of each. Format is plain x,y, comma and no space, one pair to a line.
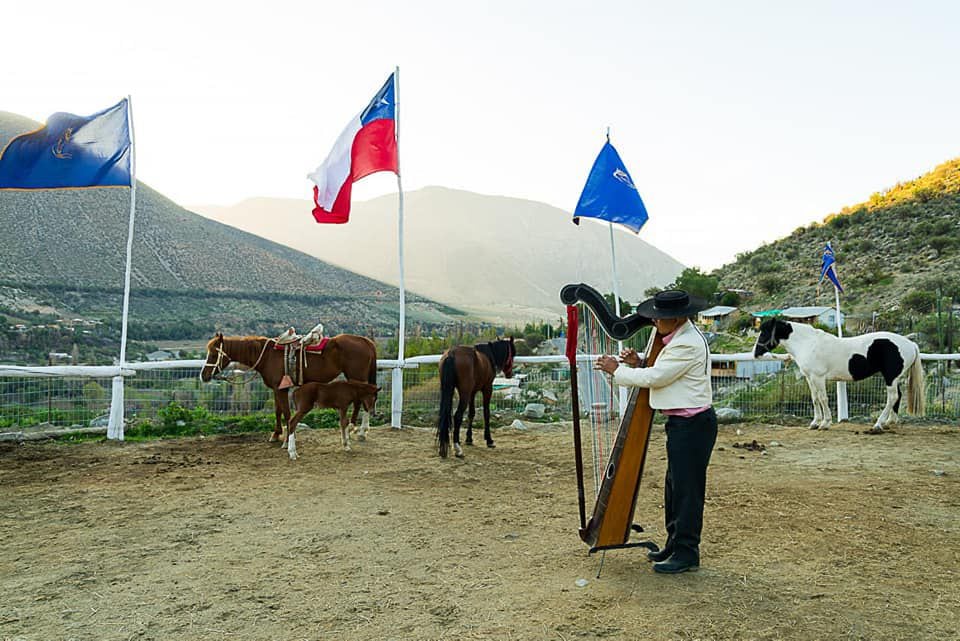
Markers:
834,535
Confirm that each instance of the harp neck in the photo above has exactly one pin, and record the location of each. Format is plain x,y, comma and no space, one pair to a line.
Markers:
616,327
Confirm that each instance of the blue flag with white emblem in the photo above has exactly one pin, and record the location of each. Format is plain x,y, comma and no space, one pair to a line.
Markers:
610,193
71,151
828,268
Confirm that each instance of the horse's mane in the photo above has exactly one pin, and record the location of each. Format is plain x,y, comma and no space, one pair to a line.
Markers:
499,351
249,347
807,329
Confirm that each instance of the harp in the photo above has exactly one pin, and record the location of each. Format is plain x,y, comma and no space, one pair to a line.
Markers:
611,523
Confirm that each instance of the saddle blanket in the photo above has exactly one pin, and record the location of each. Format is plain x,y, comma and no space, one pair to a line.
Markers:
310,348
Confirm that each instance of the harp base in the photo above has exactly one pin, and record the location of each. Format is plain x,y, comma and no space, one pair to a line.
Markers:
650,545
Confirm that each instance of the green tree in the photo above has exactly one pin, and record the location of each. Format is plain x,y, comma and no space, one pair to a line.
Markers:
625,307
533,339
939,243
730,299
771,283
695,282
920,301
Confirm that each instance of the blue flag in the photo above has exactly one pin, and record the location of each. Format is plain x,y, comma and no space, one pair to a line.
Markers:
828,268
610,193
71,151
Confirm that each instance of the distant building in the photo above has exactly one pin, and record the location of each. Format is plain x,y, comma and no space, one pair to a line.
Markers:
826,316
718,317
744,369
159,355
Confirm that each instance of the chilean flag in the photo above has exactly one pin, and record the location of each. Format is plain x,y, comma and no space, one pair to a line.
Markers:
366,146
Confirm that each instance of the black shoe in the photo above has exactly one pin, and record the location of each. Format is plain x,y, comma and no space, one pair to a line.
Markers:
662,555
674,565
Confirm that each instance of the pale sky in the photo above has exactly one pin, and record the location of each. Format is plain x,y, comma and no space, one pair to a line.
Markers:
739,121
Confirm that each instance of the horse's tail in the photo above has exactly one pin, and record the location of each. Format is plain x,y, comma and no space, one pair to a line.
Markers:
916,388
372,372
448,382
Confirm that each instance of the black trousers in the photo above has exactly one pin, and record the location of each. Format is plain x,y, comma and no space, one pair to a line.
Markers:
690,442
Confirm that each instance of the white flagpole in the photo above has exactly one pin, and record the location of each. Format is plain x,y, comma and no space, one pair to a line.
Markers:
396,413
622,397
115,424
843,410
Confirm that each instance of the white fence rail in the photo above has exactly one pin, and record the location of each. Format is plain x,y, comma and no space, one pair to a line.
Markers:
42,398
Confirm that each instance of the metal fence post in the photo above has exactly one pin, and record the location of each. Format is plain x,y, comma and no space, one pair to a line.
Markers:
396,397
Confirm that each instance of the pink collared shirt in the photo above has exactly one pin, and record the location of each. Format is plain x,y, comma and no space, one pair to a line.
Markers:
683,411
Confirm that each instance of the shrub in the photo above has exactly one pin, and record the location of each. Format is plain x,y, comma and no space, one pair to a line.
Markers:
770,283
730,299
940,243
919,301
839,222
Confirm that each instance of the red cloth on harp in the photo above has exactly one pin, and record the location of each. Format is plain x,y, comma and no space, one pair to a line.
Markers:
572,328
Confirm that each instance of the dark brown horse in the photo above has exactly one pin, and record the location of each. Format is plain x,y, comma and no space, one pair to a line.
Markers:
338,395
470,370
353,356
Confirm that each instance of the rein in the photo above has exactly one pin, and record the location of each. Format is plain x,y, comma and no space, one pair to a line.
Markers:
237,379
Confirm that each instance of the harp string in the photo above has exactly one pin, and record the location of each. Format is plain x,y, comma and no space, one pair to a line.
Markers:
597,393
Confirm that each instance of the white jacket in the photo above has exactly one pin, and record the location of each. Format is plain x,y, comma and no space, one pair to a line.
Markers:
680,377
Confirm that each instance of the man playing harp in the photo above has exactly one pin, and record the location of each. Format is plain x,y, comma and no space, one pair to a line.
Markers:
679,383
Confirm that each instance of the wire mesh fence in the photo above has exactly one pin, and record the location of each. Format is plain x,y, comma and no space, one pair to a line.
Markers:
42,401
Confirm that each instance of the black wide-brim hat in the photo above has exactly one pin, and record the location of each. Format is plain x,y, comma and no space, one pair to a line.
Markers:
673,303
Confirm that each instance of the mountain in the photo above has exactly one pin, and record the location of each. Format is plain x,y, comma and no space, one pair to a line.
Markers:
503,259
64,252
893,251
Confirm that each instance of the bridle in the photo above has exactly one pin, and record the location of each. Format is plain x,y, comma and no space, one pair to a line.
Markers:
771,343
217,367
508,364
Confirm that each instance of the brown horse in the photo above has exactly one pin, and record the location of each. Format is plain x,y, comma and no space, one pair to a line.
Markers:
338,395
353,356
470,370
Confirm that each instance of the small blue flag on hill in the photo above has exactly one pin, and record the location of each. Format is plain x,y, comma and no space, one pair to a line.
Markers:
610,193
71,151
828,268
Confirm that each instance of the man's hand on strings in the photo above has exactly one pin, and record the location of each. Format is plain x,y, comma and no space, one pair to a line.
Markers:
606,363
631,357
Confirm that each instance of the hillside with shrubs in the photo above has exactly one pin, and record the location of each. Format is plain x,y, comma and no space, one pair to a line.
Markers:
898,258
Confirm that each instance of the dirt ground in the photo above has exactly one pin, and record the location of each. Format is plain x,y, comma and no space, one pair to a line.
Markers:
832,535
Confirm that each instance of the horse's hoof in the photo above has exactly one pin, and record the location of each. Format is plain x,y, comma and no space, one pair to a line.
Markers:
459,454
491,445
469,441
293,456
361,437
814,427
273,438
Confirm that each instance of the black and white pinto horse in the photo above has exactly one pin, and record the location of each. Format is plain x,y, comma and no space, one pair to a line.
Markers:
821,357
